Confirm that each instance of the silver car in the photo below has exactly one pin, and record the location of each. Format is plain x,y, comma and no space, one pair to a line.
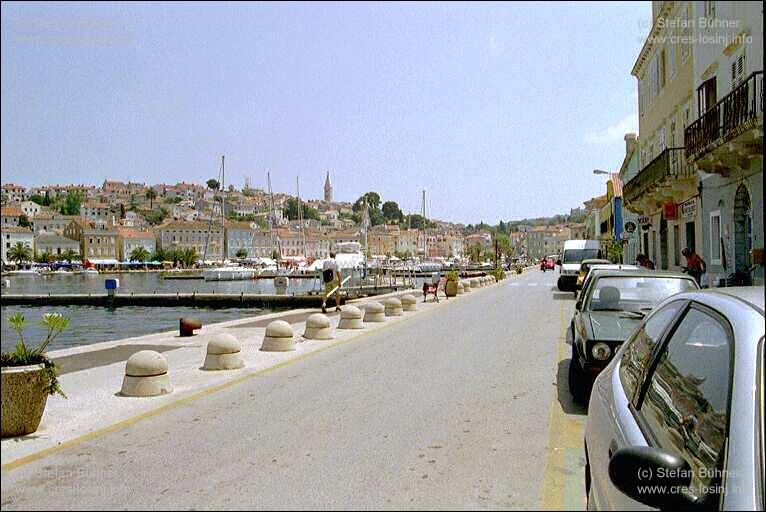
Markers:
676,421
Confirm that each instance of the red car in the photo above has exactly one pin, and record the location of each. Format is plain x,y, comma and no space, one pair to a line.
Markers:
547,264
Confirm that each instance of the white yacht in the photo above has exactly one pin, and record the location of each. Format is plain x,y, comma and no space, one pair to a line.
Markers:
229,273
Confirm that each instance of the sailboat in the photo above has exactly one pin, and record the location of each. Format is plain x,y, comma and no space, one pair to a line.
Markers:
228,271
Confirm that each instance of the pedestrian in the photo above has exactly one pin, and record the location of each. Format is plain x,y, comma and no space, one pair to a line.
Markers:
331,279
644,261
695,265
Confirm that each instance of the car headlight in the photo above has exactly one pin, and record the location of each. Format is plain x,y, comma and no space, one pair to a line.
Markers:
601,351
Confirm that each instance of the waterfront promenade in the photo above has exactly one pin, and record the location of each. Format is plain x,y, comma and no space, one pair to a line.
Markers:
487,423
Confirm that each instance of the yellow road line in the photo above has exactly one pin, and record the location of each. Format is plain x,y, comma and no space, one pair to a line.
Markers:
22,461
562,480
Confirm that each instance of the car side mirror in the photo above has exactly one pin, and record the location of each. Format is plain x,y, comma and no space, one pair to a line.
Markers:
652,477
578,306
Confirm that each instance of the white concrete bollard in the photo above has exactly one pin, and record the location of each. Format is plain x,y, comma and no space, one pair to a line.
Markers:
467,286
318,328
410,303
146,374
279,337
223,353
393,307
460,288
350,318
374,312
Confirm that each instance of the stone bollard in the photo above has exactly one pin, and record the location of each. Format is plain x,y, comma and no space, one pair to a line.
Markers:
374,312
410,303
146,374
475,283
350,318
278,338
460,288
467,286
188,325
318,328
393,307
223,353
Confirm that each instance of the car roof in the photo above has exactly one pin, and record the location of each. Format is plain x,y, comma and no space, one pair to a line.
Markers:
596,260
753,295
639,272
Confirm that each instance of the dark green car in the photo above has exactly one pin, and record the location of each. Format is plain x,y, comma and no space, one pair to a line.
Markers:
610,307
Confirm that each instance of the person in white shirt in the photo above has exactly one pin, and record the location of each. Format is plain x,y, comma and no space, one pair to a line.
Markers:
331,279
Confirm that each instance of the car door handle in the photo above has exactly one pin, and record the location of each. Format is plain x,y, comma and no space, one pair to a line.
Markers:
612,448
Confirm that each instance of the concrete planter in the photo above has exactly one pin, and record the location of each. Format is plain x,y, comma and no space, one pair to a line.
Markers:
451,289
24,395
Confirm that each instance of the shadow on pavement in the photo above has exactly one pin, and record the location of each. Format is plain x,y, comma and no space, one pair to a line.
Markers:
564,397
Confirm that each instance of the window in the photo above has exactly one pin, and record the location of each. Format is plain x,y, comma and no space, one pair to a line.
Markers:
686,404
676,246
671,59
639,348
687,38
738,66
661,65
707,95
710,10
715,237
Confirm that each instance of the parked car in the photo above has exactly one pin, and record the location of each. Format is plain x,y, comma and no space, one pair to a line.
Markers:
601,266
585,267
677,419
610,307
575,252
548,263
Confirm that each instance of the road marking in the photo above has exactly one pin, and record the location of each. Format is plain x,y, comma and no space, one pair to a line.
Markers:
121,425
563,480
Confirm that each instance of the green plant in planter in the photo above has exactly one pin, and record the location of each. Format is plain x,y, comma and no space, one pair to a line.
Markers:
453,275
498,274
22,355
519,269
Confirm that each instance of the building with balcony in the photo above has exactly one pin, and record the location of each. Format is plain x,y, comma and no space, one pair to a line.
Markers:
13,235
725,141
665,185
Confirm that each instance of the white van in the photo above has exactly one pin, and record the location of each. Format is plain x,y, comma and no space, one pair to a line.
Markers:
575,251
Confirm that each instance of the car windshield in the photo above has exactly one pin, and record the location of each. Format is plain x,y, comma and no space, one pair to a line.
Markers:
632,293
577,255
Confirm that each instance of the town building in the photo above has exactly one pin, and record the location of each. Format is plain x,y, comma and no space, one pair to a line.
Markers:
631,228
665,75
14,193
724,142
98,244
13,235
55,244
10,215
130,239
207,239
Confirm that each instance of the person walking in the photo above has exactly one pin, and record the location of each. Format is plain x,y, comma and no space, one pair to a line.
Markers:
331,279
695,265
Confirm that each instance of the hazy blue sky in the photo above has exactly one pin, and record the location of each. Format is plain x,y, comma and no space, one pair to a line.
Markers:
499,110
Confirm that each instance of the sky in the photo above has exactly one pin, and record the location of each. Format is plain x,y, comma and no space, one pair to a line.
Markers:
497,110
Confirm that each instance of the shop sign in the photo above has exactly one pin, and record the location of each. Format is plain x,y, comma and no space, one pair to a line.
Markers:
689,209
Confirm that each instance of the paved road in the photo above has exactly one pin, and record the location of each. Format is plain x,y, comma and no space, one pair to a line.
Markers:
455,408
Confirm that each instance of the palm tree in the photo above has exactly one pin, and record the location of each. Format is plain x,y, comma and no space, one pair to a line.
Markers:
70,255
188,256
19,253
151,195
46,257
139,254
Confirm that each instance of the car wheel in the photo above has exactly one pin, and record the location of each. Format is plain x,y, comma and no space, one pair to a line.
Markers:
560,285
578,380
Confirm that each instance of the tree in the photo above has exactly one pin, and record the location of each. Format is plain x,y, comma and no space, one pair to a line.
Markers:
72,202
155,217
19,253
24,221
70,255
46,257
188,256
139,254
151,195
242,253
371,198
291,210
418,221
391,211
213,184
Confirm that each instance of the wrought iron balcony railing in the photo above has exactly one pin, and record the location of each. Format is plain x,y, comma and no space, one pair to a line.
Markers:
671,163
727,117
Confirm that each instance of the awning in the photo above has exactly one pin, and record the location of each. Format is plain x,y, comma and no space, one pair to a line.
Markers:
105,262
